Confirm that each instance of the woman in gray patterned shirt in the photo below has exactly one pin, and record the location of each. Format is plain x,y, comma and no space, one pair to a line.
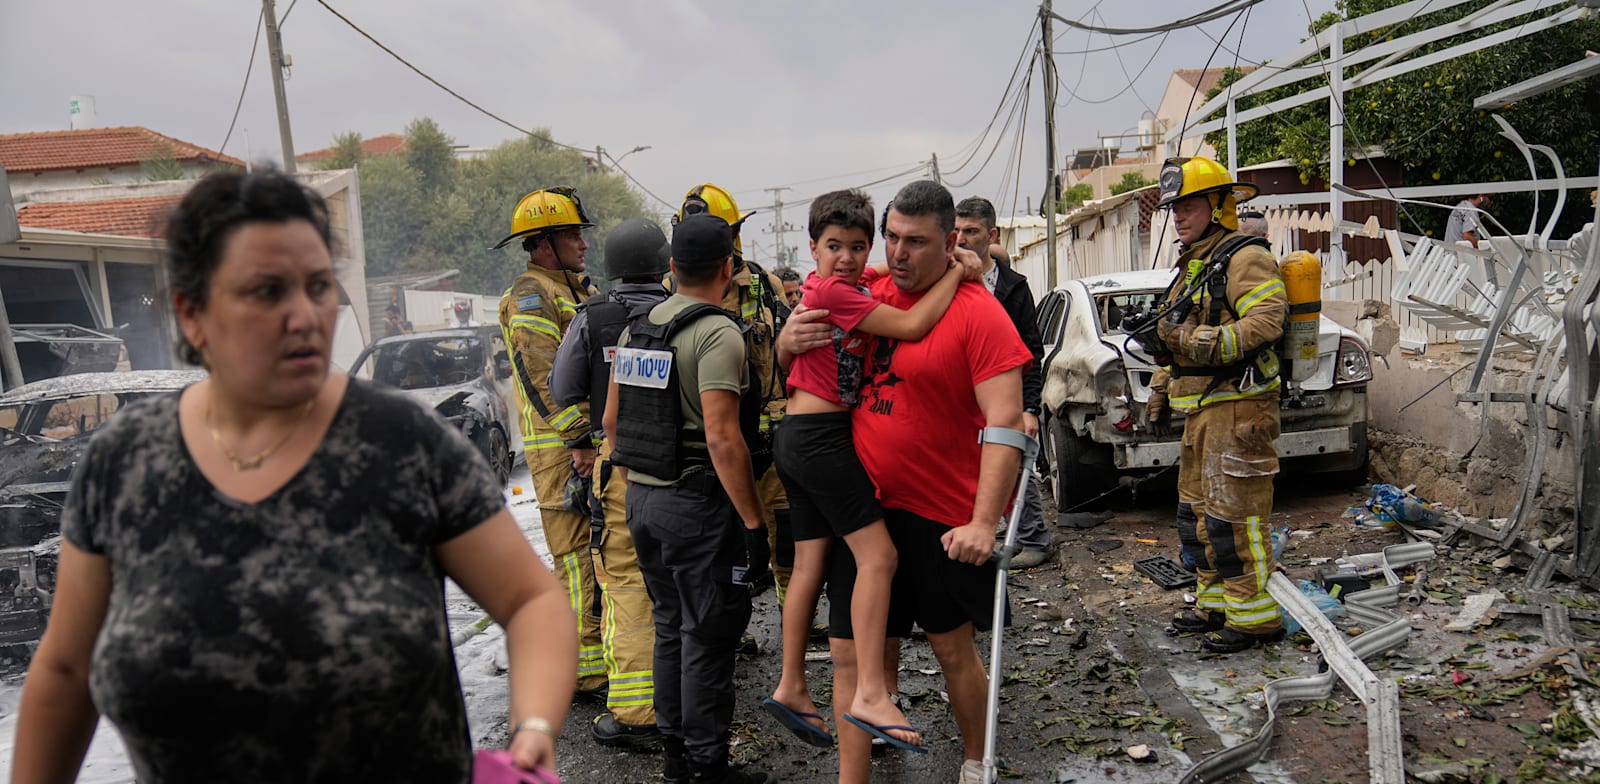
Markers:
251,582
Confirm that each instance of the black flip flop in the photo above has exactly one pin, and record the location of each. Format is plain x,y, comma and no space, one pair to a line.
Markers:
795,722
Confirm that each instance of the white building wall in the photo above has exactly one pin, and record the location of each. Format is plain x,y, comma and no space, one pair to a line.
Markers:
1179,100
24,183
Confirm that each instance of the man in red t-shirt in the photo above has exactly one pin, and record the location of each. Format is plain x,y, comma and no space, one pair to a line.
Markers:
916,427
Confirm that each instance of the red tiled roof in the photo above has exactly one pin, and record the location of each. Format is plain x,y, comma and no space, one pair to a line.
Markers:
1207,78
136,217
41,151
387,144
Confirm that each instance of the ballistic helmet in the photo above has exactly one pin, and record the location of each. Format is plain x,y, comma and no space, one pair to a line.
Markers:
633,250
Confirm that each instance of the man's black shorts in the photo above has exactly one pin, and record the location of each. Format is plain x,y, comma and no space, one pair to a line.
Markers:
929,590
829,492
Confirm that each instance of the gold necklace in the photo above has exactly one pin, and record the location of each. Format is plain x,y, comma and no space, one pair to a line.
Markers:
252,463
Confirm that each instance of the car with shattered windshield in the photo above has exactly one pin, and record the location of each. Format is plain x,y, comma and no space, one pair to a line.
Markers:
1097,383
45,427
464,374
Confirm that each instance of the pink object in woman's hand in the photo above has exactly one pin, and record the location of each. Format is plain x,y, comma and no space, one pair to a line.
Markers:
496,767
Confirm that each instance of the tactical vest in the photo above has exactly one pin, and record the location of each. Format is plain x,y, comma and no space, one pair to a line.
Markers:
607,316
650,434
1211,279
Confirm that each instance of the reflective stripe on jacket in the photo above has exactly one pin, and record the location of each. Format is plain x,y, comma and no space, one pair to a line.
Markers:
534,314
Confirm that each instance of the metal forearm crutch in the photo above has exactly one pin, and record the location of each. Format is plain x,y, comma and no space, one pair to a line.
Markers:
1029,448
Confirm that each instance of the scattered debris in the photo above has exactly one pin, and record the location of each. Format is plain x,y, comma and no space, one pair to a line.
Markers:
1475,611
1389,506
1081,519
1164,572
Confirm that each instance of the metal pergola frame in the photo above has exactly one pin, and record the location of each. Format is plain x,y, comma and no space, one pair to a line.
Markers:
1388,58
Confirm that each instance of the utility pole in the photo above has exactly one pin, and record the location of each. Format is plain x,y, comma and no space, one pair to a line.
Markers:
276,58
10,367
935,163
1046,16
779,228
599,158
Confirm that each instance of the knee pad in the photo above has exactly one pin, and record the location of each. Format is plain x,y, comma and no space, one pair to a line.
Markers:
1191,550
783,554
1229,561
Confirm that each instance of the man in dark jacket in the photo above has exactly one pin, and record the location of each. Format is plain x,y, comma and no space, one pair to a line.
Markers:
975,227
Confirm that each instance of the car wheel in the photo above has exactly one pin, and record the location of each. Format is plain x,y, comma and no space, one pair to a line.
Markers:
500,455
1082,469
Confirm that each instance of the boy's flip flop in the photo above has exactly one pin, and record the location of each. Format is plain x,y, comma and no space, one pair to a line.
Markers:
796,723
880,731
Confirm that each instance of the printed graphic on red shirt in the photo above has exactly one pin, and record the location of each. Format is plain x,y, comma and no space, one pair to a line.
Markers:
834,373
916,426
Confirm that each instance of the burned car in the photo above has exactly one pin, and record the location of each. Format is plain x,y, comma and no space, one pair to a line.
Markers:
44,429
464,374
1097,381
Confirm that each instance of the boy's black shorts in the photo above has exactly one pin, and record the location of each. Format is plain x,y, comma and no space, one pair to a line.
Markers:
930,590
829,492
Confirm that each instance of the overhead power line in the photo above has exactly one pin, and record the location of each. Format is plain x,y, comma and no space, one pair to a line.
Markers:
1017,115
1132,80
636,182
1016,70
1210,14
260,17
485,112
436,82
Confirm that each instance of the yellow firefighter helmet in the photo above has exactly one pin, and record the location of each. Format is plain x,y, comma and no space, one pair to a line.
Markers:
1185,177
543,211
717,201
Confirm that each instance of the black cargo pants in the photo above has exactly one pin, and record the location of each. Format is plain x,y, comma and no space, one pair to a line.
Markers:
688,543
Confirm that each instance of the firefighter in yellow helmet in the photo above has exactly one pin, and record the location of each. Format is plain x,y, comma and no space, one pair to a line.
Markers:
755,299
534,314
1223,317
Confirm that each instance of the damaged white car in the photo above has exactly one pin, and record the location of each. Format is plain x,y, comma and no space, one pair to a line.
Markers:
462,373
1097,381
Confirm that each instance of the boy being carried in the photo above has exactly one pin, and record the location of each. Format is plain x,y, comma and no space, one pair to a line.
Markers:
829,492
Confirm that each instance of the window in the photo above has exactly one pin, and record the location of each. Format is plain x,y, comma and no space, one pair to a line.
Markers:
1116,307
1050,311
78,416
421,364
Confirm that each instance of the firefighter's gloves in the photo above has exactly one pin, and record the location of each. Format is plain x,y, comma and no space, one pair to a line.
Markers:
759,553
1158,415
1204,345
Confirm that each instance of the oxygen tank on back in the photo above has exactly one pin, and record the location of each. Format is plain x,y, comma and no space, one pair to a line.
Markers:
1302,280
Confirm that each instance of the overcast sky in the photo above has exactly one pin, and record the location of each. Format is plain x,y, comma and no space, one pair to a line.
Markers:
750,95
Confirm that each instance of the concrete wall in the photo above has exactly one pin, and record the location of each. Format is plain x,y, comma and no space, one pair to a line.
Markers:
1427,444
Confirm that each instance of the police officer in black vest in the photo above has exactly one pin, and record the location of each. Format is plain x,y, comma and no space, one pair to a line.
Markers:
636,254
679,411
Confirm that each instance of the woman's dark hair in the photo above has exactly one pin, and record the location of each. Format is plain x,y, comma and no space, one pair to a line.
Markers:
199,227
